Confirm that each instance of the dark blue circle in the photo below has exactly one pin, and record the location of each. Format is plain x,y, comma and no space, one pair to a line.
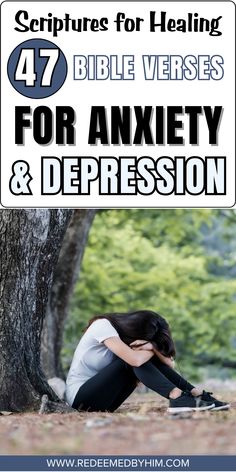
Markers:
37,90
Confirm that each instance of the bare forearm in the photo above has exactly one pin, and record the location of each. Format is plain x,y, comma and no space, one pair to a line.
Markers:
132,356
143,356
166,360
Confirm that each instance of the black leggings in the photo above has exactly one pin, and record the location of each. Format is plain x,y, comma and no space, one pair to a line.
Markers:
109,388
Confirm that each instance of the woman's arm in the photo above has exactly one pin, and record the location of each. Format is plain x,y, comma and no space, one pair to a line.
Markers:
133,358
144,345
166,360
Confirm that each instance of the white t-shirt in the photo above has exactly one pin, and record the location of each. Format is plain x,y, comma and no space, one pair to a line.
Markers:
90,356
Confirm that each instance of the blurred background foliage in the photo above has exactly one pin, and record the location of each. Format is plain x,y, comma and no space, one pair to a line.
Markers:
178,262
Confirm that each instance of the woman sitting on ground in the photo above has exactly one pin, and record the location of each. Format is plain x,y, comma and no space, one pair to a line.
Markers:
118,350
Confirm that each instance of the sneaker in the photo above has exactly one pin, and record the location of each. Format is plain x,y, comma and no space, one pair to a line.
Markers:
187,402
207,396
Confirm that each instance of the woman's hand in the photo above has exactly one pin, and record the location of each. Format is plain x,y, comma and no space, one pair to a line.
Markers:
141,345
166,360
170,362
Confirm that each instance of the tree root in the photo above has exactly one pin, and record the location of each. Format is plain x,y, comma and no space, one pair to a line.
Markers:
48,406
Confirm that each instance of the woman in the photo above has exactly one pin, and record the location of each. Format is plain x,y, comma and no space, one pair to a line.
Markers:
118,350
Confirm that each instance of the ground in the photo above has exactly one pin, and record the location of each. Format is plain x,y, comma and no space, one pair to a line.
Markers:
140,426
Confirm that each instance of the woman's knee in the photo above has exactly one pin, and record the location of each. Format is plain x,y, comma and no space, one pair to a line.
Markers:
147,367
121,363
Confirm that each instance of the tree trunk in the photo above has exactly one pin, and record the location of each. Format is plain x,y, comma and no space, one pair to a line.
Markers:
30,242
65,277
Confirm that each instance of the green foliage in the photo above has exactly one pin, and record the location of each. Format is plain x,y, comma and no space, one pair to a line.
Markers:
157,259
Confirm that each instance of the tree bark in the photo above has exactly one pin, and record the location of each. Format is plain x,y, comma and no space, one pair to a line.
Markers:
30,242
65,277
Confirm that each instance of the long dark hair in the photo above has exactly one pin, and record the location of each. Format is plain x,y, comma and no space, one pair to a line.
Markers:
144,324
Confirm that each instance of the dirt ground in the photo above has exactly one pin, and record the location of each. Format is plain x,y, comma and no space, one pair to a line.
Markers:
140,426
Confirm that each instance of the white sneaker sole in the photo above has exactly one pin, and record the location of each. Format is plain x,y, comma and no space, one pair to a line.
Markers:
187,409
221,408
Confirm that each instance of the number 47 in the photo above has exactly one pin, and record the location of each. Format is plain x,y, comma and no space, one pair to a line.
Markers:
25,69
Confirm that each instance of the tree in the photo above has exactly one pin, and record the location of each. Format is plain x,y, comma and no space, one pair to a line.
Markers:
65,277
30,242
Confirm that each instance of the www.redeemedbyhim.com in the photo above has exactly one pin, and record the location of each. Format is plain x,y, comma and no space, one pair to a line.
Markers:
118,463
